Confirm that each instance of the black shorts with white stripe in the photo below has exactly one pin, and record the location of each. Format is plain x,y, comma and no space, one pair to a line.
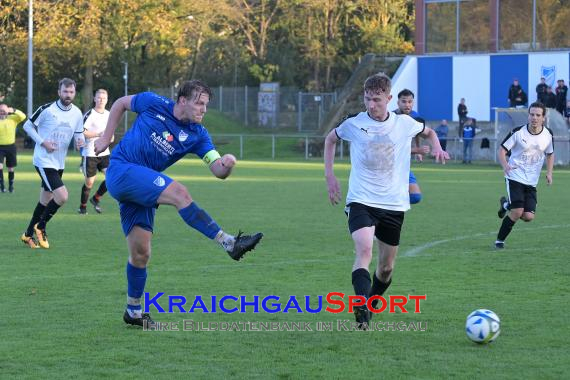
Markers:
51,178
521,195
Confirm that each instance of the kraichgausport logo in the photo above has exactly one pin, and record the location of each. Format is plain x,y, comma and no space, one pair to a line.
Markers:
333,302
182,136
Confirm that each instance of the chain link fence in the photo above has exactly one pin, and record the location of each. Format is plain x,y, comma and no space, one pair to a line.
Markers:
270,107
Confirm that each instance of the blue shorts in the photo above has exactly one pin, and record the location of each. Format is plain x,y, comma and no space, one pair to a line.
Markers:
137,188
412,178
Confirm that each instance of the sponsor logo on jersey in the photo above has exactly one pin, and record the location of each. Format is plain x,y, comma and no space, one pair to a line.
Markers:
160,117
182,136
163,143
167,136
159,181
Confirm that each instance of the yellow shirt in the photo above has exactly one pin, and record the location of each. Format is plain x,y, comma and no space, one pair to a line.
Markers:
8,127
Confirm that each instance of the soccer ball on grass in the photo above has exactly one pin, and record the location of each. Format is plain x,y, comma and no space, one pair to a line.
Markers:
483,326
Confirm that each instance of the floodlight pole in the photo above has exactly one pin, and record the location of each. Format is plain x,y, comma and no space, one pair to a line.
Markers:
30,58
126,78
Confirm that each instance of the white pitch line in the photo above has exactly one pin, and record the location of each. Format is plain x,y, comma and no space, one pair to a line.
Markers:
418,250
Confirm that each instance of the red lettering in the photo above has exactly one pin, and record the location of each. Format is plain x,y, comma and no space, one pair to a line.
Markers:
398,301
417,302
331,301
355,301
379,298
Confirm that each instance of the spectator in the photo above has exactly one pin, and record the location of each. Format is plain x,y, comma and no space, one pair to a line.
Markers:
442,130
567,111
549,98
541,90
462,112
561,96
467,133
514,92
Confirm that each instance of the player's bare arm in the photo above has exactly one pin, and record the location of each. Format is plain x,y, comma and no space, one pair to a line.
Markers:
549,168
333,185
502,155
222,167
117,110
439,154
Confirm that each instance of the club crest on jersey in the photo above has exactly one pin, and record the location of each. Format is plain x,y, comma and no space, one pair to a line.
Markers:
159,181
182,136
167,136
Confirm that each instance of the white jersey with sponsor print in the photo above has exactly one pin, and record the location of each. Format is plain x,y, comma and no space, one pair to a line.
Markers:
94,121
58,125
527,153
380,159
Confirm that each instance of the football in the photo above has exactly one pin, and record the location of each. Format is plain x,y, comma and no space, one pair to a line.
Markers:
483,326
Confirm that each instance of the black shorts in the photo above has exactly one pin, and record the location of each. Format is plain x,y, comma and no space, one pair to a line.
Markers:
9,151
51,178
388,223
91,165
521,195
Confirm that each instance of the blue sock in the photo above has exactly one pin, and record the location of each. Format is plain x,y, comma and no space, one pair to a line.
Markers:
415,198
136,279
199,219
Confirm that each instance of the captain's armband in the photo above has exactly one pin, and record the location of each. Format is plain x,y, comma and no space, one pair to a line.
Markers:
210,157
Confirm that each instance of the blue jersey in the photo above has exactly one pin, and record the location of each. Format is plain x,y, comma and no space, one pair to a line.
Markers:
157,139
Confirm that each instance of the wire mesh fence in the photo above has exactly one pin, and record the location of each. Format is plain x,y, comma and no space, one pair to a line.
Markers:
269,107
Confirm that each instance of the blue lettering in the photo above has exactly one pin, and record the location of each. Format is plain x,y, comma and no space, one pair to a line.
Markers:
214,310
153,301
172,302
308,304
276,306
198,304
223,308
244,303
292,304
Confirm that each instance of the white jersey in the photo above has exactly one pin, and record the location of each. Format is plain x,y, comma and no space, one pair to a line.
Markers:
380,159
94,121
55,124
527,153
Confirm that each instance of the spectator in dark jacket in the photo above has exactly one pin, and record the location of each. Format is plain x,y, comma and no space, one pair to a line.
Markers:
541,90
561,96
462,112
549,98
514,92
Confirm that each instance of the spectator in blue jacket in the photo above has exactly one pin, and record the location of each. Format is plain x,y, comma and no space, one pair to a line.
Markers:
467,133
442,130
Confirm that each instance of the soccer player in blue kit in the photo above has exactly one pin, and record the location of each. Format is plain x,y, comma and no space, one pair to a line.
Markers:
163,132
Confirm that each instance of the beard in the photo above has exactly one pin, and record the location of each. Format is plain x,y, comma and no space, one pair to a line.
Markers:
65,101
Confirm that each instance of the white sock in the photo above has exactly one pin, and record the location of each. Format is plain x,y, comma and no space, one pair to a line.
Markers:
135,313
226,240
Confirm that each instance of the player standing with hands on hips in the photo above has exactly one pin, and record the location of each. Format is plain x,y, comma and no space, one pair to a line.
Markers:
163,133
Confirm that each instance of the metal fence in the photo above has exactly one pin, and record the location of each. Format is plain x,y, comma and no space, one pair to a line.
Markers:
287,108
276,146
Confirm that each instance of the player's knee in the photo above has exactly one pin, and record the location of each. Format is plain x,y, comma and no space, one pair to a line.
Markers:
181,194
415,198
528,217
364,252
516,214
60,196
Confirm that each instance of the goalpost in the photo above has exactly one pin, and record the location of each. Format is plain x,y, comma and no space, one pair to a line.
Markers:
508,118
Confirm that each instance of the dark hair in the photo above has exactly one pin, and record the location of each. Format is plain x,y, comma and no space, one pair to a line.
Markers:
538,105
378,83
193,86
66,82
405,92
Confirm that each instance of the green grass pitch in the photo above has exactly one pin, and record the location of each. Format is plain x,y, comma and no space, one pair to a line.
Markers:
62,308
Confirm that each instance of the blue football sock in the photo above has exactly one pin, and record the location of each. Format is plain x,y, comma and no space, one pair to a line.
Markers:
199,219
136,279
